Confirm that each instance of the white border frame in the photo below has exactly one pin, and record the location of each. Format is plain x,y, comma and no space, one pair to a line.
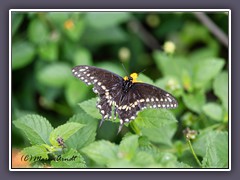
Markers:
118,10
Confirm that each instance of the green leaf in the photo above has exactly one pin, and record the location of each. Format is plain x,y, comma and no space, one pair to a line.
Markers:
86,134
89,107
158,125
144,159
195,101
154,118
76,31
188,34
220,88
122,163
38,31
58,18
205,70
170,66
17,19
203,53
103,20
76,91
188,158
128,147
71,159
22,54
187,81
55,75
167,160
36,128
170,84
162,159
49,52
95,37
83,57
217,150
163,134
64,131
141,159
182,165
143,141
214,111
36,153
102,152
200,146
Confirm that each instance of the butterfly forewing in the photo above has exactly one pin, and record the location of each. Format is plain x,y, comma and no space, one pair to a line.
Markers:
101,79
106,85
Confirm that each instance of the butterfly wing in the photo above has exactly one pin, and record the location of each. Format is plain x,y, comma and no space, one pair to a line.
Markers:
102,80
106,84
109,87
142,96
154,97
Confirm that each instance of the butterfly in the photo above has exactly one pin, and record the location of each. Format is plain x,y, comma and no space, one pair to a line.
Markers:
124,97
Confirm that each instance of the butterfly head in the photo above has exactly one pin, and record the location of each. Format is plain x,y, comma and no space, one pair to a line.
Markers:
133,78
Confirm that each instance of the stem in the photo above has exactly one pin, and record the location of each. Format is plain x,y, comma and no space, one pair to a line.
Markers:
194,154
135,128
144,35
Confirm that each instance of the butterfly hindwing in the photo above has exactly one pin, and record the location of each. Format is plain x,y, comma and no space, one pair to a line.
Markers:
142,96
154,97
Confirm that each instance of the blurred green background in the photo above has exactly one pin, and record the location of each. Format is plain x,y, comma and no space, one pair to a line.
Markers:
175,49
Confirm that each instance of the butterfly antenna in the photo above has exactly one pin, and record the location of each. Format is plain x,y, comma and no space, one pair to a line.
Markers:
125,69
142,71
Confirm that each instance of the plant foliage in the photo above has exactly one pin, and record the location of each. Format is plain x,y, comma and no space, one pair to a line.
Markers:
54,116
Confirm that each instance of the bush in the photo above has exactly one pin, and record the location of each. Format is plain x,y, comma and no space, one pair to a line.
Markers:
55,116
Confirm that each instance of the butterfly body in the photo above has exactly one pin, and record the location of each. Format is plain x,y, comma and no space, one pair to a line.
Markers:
124,96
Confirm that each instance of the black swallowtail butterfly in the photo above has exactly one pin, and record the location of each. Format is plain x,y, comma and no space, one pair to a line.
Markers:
126,95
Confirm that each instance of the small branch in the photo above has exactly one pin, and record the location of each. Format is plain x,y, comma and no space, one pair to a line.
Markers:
153,43
146,37
212,27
